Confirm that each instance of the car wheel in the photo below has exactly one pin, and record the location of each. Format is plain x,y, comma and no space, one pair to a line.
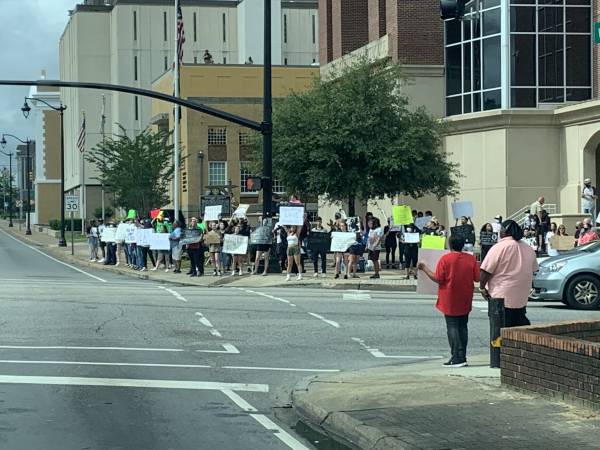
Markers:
583,292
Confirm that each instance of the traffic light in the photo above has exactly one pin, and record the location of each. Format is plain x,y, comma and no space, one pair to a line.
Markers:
254,184
452,9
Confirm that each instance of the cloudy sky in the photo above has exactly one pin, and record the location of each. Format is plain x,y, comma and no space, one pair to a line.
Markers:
29,44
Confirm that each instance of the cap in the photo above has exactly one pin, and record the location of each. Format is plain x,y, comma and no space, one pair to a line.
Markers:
498,217
587,180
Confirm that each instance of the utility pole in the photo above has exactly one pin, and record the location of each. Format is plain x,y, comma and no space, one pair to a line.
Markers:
267,124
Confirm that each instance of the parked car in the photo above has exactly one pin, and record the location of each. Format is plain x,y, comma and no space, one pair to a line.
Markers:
572,277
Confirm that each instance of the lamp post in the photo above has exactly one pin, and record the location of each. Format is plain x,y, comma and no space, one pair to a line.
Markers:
10,195
62,242
27,142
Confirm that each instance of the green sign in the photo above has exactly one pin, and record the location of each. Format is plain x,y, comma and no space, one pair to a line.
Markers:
597,32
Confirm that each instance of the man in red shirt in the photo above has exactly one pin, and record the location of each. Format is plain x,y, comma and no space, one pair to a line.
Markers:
456,273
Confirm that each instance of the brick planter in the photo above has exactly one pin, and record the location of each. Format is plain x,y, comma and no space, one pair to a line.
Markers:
561,360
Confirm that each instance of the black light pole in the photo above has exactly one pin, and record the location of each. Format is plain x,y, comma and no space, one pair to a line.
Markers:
62,242
27,142
10,197
267,124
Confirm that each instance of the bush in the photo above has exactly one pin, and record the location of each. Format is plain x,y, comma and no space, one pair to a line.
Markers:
55,224
108,212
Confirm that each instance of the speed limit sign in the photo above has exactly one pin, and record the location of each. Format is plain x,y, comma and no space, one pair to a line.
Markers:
71,203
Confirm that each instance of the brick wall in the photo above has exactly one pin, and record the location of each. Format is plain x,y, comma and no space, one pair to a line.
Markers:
595,53
325,32
350,25
377,19
561,361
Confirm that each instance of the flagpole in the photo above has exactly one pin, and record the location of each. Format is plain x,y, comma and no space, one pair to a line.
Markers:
82,186
103,133
176,131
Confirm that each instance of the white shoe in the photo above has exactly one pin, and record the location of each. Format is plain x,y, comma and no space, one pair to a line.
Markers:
323,275
288,277
299,277
241,272
166,270
143,269
154,269
316,274
117,264
233,273
101,260
264,274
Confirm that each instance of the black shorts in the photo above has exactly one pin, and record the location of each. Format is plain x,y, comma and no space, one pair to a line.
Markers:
374,255
411,255
263,247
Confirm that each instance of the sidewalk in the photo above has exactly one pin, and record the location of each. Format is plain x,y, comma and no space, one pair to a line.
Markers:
391,280
428,406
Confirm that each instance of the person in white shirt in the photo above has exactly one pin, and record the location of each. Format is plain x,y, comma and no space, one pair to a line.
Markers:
588,198
101,228
548,238
374,244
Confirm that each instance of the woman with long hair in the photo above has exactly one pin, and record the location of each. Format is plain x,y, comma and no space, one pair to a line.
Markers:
341,257
293,253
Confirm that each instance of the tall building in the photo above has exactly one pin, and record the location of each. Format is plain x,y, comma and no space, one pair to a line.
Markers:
131,42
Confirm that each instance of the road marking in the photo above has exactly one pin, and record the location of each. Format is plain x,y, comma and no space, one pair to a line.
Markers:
69,347
175,294
203,320
279,369
229,348
92,363
215,332
54,259
131,382
356,296
282,300
379,354
327,321
267,423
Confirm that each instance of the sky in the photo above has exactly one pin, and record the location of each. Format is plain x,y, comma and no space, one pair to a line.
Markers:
29,38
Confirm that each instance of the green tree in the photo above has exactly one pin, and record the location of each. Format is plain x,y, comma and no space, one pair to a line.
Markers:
138,170
355,136
5,189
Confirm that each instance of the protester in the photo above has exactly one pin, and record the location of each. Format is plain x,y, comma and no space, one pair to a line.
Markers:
92,237
589,197
507,273
226,258
455,274
281,245
163,255
485,248
321,253
562,230
588,233
147,225
341,258
238,260
102,244
355,251
543,229
174,238
293,252
391,245
552,232
262,251
375,237
195,253
411,252
537,207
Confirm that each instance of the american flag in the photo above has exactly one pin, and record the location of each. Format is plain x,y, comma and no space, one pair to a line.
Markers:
180,36
81,139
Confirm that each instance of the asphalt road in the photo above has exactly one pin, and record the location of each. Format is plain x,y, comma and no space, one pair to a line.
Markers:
93,360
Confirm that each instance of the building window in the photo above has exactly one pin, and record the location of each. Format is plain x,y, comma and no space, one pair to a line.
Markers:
244,175
195,60
184,181
195,29
165,34
217,173
314,29
285,61
244,138
135,25
278,187
224,27
285,28
224,59
217,136
136,109
166,63
135,68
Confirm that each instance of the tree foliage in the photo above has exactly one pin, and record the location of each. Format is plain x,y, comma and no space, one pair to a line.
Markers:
138,170
356,136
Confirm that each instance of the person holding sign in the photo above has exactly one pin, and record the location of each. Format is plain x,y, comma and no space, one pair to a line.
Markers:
163,255
456,273
238,260
195,252
213,240
411,251
341,257
318,252
487,231
174,238
374,244
293,253
468,232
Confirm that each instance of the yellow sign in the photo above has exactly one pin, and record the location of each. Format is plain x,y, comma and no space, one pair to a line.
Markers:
433,242
402,215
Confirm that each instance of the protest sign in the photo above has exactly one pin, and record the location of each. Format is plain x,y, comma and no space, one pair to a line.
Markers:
467,232
562,243
212,213
241,211
433,242
341,241
191,236
496,227
130,234
431,258
412,238
235,244
402,215
291,215
261,236
212,238
421,222
121,232
160,241
353,223
318,241
142,236
488,238
108,235
462,209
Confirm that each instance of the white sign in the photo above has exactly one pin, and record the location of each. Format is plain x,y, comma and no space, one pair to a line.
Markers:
109,234
159,241
241,211
130,234
235,244
412,238
121,232
430,257
142,236
421,222
462,209
341,241
212,213
291,215
496,227
71,203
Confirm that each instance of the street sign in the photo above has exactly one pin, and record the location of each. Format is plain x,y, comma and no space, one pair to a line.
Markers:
71,203
597,32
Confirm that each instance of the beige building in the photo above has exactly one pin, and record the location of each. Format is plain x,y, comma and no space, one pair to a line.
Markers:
215,152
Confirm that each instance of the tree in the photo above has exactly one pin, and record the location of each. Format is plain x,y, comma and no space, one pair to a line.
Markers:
355,135
5,189
138,170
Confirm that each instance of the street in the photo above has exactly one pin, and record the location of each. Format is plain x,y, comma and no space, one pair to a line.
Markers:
93,360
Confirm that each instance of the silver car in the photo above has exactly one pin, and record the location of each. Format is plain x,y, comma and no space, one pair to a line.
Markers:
572,277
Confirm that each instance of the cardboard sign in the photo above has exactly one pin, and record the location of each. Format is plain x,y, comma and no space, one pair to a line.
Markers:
291,215
341,241
109,235
421,222
160,241
431,258
562,243
402,215
121,232
318,241
212,238
433,242
241,211
212,213
462,209
412,238
467,232
261,236
488,238
130,234
235,244
191,236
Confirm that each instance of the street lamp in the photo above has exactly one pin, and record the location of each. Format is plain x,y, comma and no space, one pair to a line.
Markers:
27,142
62,242
10,195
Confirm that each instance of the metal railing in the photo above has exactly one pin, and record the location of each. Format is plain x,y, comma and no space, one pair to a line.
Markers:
520,215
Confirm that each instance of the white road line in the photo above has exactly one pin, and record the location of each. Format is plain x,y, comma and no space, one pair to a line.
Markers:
267,423
130,382
215,332
229,348
379,354
69,347
54,259
356,296
282,300
175,294
280,369
327,321
92,363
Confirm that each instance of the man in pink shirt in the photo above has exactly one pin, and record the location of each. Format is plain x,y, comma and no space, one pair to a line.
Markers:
507,273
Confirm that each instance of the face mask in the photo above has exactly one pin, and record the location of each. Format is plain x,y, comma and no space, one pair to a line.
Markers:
409,230
497,220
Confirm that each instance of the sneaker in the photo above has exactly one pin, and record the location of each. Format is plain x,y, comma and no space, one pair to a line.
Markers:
264,274
154,269
241,272
215,274
144,269
345,277
219,273
175,271
355,276
323,275
337,275
166,270
455,364
101,260
375,276
288,277
316,274
117,264
233,273
299,277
